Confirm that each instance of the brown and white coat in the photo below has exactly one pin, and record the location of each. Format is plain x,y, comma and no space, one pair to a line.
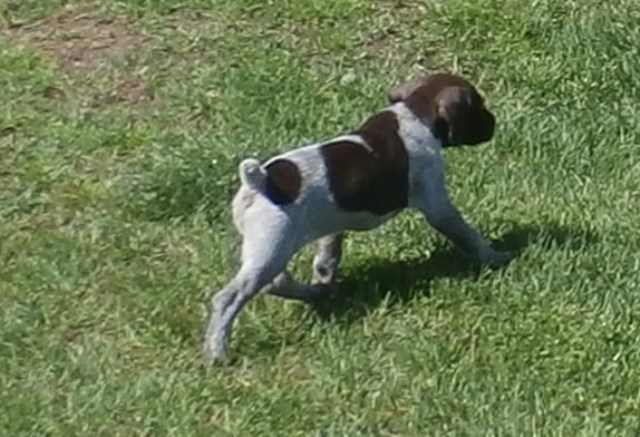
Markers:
351,182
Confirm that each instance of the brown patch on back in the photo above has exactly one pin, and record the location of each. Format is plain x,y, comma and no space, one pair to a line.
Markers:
374,179
283,182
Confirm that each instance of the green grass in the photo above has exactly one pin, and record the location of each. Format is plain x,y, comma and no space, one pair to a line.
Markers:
115,222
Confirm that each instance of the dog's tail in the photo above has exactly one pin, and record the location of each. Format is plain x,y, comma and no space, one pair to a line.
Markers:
252,174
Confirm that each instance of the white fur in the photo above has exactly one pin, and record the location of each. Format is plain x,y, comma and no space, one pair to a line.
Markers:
272,234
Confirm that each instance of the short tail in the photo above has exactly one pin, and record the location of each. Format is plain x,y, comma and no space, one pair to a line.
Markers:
252,174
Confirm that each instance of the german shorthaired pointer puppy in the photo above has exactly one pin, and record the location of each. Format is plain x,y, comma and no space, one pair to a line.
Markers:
351,182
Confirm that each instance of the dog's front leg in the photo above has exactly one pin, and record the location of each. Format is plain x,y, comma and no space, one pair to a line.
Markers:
446,219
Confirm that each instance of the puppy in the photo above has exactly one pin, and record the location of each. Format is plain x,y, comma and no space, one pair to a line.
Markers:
351,182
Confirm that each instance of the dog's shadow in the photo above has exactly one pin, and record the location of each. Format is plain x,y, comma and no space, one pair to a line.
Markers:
363,289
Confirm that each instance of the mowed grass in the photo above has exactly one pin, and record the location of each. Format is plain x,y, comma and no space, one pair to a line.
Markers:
121,128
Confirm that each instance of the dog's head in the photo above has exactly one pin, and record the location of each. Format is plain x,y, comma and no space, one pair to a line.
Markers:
450,105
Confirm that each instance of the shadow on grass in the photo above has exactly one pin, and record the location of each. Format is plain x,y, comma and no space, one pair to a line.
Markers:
365,288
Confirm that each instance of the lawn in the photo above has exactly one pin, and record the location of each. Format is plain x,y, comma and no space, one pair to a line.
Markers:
121,127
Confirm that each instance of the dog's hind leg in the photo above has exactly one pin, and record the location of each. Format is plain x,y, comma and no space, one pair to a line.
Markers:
266,249
325,269
327,259
284,285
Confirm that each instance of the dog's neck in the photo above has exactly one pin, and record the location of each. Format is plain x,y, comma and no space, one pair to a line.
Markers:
422,130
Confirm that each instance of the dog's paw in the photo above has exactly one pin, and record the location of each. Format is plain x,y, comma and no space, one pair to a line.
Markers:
498,258
318,292
213,357
214,352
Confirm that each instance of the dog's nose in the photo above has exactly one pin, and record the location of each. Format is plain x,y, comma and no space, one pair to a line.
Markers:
489,125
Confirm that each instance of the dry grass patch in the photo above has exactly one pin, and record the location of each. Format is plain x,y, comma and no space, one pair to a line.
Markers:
84,43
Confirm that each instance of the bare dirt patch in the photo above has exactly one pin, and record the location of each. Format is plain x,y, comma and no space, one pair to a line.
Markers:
82,42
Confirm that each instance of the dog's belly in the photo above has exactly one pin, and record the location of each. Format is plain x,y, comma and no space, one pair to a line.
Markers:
333,220
321,216
364,221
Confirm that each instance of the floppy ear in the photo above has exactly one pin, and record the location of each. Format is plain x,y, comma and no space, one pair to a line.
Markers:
467,120
403,91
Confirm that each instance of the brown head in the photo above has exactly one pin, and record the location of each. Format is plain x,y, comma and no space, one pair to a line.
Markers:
450,105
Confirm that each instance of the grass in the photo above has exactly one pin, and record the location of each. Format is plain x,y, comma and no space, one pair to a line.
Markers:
121,128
